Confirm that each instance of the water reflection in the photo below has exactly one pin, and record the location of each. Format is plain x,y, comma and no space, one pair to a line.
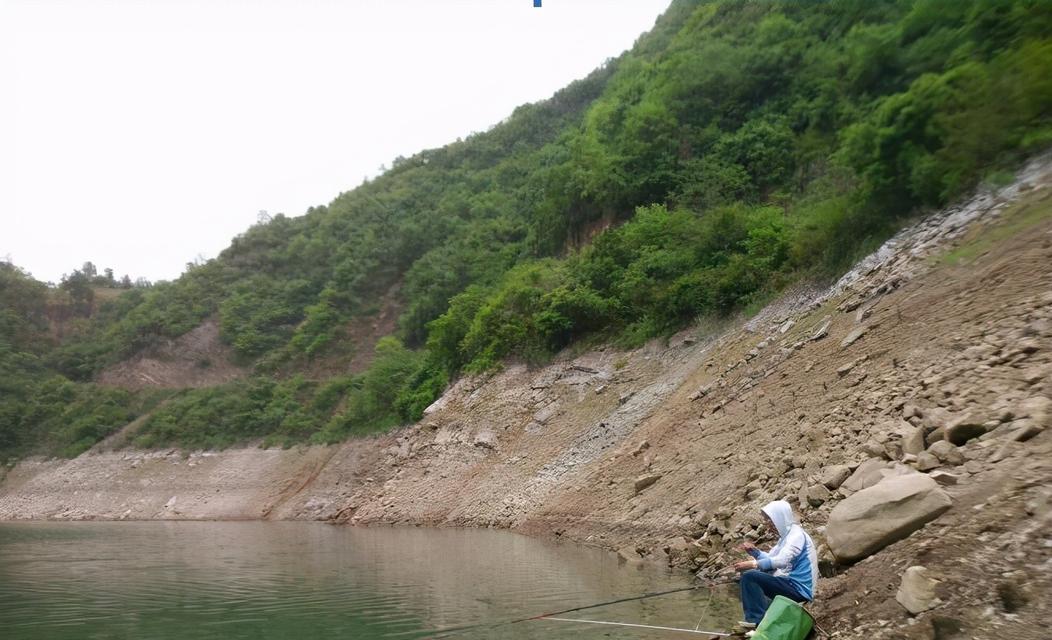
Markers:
284,580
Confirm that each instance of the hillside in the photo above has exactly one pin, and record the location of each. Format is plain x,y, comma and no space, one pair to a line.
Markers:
736,149
944,333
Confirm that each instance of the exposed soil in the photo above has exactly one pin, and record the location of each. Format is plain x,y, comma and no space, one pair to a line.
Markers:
362,334
645,451
195,359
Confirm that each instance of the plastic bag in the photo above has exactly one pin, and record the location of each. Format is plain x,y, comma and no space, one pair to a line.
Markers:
784,620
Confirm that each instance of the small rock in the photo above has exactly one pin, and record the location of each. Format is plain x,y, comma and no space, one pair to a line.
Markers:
822,331
946,452
944,478
834,476
853,337
1027,430
934,436
963,428
874,449
893,450
866,475
814,495
917,591
1035,375
1006,450
486,439
1038,409
926,461
642,482
912,438
701,393
628,554
973,467
1026,346
936,418
544,415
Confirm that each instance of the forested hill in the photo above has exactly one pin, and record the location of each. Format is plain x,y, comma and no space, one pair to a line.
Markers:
737,147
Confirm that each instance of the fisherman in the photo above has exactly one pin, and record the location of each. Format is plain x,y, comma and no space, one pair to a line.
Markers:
789,569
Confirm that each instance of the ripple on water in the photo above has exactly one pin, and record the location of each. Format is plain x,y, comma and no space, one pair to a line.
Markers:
283,580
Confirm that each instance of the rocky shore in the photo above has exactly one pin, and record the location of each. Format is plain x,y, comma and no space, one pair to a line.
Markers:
905,411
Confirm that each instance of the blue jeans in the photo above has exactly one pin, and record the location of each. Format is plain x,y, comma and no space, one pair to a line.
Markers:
759,588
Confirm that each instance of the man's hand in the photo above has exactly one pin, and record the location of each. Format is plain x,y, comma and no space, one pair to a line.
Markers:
747,546
745,565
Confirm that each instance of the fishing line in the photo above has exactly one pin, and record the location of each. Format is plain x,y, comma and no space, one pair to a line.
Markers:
642,626
440,633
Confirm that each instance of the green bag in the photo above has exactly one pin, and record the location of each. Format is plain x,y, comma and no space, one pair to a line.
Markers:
784,620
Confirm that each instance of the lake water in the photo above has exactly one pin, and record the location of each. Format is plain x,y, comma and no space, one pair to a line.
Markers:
307,580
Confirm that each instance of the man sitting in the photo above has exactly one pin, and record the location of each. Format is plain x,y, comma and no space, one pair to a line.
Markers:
789,569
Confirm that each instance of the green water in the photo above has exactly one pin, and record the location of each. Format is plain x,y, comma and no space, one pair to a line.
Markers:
305,580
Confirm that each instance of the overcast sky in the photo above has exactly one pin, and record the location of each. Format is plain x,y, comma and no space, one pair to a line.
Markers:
141,134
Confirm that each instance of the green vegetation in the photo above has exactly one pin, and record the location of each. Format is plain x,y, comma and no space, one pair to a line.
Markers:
738,146
1015,220
294,409
41,411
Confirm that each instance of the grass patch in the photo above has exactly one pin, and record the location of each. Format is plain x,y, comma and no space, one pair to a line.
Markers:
1015,220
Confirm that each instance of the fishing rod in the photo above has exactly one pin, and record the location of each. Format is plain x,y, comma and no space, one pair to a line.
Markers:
644,626
441,633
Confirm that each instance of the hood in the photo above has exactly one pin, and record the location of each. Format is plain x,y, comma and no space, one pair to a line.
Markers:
781,514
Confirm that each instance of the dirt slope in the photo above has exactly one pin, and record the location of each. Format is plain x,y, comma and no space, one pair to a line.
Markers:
646,450
195,359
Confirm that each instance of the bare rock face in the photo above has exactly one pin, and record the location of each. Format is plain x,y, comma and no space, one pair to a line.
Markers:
882,514
917,591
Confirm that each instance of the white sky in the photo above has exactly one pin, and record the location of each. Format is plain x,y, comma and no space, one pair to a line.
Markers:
140,134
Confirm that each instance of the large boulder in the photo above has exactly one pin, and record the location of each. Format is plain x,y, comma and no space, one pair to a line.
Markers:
887,512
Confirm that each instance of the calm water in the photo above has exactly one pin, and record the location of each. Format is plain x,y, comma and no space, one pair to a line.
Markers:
305,580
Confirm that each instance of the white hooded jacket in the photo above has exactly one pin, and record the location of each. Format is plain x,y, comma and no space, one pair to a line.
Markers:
794,557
